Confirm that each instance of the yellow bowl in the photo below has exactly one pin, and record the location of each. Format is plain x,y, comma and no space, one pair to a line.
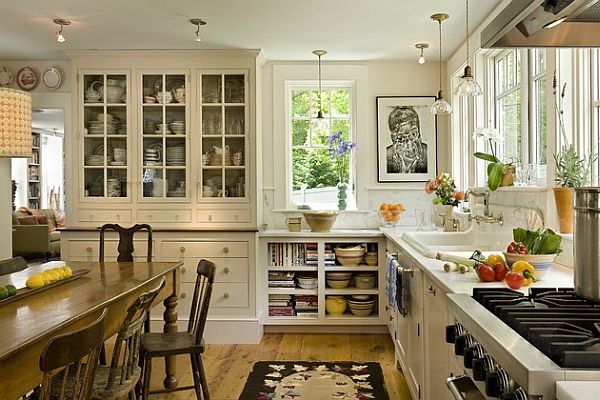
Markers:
335,305
320,221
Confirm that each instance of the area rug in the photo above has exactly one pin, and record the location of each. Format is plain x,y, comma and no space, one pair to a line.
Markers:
301,380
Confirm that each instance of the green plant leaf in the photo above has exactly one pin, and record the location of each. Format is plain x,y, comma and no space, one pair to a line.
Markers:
486,157
495,175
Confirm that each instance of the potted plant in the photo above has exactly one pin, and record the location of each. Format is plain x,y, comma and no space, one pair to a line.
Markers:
499,173
571,171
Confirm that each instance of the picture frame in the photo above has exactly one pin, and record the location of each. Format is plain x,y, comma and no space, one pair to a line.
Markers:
406,139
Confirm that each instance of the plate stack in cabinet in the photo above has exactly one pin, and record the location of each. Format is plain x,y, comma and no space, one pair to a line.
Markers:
164,131
230,294
106,150
292,281
298,274
224,137
34,173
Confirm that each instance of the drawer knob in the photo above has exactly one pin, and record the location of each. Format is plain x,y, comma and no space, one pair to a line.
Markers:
209,217
226,270
88,249
225,249
118,217
225,295
431,290
182,249
235,217
176,217
183,295
91,216
183,270
150,216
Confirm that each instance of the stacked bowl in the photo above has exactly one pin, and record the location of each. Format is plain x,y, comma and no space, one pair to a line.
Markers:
371,258
349,255
361,308
364,280
335,305
307,281
338,280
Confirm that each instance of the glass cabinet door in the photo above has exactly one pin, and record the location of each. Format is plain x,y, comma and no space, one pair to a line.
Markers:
105,144
223,111
164,131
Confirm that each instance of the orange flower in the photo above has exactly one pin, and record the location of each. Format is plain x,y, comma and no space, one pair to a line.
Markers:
460,195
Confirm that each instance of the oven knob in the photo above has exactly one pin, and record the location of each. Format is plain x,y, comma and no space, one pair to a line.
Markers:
471,353
463,342
482,366
518,394
493,385
452,331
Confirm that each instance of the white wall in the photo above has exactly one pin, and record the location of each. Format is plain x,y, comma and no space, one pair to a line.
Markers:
375,78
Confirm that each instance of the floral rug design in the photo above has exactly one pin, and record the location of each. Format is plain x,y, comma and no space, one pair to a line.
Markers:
301,380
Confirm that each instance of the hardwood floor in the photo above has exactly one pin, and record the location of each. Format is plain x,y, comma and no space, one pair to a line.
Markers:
228,366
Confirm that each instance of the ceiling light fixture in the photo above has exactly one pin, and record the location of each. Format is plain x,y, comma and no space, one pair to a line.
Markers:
320,53
467,85
421,46
61,22
554,23
198,22
441,106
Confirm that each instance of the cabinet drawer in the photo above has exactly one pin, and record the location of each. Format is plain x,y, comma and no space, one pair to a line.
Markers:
89,249
233,269
224,295
223,216
115,216
165,216
204,249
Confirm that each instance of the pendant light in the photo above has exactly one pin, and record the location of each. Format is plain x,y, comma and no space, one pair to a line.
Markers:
467,85
320,53
198,22
61,22
421,46
441,106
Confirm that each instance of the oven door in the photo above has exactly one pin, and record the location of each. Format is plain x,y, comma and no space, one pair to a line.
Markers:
463,388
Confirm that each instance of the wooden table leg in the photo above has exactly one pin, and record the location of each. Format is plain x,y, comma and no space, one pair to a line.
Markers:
170,318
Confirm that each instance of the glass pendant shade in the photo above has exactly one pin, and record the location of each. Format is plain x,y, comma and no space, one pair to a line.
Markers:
467,85
441,106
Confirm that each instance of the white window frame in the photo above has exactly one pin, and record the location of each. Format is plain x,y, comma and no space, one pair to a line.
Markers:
290,86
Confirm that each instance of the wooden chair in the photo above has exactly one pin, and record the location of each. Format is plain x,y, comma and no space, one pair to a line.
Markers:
187,342
121,377
11,265
68,362
125,246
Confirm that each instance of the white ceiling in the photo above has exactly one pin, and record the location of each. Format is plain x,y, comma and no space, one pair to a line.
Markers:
283,29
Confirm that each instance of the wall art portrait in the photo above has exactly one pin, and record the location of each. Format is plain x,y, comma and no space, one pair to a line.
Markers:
406,139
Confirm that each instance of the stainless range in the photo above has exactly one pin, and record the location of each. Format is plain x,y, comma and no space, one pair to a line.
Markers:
518,346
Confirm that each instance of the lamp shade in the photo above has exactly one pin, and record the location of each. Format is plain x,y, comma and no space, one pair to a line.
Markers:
15,123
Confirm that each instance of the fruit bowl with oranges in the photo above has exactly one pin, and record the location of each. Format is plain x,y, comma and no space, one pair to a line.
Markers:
389,213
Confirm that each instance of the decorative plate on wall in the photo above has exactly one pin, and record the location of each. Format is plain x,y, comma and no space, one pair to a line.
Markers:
27,78
6,77
52,78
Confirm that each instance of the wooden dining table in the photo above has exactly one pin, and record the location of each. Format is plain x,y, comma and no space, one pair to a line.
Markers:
28,321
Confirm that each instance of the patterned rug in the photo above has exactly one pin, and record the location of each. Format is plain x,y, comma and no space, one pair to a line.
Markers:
301,380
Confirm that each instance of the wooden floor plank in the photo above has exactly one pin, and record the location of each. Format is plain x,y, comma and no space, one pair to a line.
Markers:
325,347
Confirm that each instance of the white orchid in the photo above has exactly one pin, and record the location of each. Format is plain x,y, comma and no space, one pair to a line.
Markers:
488,133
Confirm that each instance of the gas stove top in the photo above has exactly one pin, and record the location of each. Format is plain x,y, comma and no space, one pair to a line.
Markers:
558,322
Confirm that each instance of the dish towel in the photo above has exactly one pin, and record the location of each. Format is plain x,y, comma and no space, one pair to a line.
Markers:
402,290
390,273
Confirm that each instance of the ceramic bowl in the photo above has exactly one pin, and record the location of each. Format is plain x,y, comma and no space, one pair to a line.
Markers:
361,310
320,221
364,281
354,251
541,262
349,261
335,305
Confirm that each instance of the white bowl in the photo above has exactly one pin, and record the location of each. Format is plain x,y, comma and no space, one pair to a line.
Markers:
350,261
334,284
320,221
353,251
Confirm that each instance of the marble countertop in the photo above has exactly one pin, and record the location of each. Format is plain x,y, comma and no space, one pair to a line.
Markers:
455,282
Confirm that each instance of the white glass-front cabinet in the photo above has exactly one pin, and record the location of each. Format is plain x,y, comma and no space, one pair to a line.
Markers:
164,130
223,114
106,148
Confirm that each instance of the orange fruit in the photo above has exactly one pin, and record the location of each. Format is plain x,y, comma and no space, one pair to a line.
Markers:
383,207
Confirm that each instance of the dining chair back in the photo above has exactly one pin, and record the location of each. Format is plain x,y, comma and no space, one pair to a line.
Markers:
125,246
68,362
11,265
190,342
121,377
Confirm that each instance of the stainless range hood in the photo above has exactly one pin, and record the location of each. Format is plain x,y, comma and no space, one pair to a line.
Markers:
528,23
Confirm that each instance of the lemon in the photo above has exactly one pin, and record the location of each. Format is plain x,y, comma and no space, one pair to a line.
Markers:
11,290
67,271
47,277
35,281
60,271
54,275
3,293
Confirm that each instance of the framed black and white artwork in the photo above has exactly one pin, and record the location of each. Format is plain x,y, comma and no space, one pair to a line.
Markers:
406,139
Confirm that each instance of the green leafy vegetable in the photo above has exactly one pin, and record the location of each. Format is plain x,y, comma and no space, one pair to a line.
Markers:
539,242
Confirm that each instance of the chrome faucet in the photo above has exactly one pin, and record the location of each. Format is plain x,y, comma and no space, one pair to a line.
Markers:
487,216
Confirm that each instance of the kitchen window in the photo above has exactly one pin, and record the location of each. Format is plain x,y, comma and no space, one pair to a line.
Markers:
314,173
509,105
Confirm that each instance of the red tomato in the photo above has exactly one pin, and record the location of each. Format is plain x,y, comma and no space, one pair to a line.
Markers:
485,272
500,271
514,280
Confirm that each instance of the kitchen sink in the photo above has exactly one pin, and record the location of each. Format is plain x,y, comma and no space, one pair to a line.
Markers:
430,243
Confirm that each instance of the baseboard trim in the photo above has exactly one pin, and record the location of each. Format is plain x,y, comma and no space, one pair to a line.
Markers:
223,331
325,329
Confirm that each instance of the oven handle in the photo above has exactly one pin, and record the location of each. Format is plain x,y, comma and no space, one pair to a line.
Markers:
462,388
